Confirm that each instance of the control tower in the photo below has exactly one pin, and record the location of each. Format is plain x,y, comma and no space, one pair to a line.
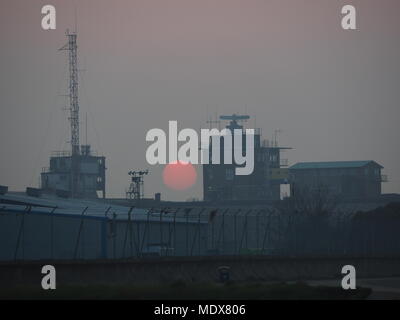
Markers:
77,173
221,184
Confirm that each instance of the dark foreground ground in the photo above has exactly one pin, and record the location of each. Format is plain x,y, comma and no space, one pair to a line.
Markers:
381,288
180,290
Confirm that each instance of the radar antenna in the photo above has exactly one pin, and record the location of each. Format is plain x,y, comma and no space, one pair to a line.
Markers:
234,119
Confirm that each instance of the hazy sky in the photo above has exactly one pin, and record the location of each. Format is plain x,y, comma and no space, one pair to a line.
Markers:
333,93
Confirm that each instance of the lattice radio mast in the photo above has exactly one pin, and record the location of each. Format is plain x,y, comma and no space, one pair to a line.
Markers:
72,49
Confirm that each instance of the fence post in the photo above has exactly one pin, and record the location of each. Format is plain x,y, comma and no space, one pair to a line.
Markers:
234,232
171,232
145,232
161,230
197,234
176,212
199,231
222,231
258,229
211,220
267,225
79,233
52,232
106,212
126,232
20,232
187,230
244,231
114,223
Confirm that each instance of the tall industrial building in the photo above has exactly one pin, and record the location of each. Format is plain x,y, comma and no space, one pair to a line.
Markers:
220,182
76,173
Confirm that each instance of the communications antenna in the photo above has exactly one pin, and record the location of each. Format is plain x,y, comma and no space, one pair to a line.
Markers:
72,49
234,120
135,191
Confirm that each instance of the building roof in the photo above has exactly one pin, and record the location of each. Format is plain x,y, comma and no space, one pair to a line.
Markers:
97,209
333,164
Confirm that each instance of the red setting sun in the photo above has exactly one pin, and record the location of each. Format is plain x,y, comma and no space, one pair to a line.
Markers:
179,175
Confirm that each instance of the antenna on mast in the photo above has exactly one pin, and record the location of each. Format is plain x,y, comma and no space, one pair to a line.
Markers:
75,18
83,180
86,143
72,49
234,119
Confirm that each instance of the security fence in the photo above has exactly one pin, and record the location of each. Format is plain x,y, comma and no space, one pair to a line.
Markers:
35,233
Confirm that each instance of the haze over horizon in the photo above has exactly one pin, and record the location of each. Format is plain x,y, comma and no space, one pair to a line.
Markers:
288,64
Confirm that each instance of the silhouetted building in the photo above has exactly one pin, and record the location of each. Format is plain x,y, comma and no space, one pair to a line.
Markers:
76,173
90,172
220,182
345,179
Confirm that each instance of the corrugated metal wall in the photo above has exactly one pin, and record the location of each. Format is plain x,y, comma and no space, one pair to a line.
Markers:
28,235
31,235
